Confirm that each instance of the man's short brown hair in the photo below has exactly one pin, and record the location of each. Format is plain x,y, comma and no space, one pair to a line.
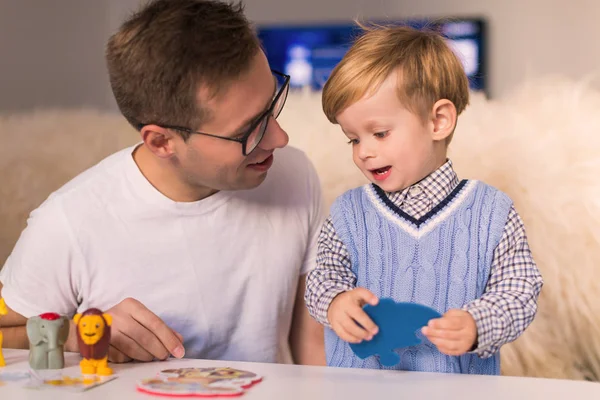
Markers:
428,71
165,53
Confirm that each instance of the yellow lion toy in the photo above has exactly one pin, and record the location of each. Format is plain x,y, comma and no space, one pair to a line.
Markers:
3,311
93,335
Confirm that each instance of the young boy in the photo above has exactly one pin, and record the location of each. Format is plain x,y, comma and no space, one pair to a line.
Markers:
417,233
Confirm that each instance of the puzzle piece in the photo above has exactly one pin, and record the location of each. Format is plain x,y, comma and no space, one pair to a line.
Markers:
64,382
162,387
13,376
398,325
199,382
214,377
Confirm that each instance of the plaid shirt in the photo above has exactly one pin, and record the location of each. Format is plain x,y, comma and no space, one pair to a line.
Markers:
509,302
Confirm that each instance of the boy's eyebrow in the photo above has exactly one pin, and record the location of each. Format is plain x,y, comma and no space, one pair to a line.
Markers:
372,124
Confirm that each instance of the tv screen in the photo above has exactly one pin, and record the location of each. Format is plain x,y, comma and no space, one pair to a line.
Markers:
308,53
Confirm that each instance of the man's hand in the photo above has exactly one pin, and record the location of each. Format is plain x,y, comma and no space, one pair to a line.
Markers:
454,334
138,334
346,312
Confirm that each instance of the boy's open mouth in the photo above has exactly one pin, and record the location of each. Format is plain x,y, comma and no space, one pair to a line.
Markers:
381,171
381,174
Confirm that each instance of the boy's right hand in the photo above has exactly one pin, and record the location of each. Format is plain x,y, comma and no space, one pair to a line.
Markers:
346,312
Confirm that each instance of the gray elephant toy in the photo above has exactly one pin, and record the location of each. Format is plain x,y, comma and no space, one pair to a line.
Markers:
47,335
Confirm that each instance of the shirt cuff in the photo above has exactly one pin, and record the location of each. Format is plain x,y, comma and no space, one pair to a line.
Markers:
325,303
484,343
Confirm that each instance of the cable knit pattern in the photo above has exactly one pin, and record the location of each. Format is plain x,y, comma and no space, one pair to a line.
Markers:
441,260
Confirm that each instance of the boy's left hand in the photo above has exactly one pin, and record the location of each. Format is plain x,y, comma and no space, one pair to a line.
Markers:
454,334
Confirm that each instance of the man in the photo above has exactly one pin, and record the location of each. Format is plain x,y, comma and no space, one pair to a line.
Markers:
198,240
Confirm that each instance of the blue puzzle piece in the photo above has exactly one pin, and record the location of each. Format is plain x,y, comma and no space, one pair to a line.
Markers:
398,324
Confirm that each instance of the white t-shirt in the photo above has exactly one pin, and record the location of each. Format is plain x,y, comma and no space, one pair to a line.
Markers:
222,271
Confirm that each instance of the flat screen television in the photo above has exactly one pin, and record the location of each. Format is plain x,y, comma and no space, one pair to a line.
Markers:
308,53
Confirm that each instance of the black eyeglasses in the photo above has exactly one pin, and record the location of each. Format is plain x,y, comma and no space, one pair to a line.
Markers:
256,131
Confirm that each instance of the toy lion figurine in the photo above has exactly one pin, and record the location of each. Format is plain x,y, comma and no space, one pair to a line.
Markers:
93,336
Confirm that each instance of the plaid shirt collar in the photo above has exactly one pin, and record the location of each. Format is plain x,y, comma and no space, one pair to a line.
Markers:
436,186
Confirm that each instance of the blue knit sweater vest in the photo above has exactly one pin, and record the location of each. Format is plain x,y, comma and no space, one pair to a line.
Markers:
441,260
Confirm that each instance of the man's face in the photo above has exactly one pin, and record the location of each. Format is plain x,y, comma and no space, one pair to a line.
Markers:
207,162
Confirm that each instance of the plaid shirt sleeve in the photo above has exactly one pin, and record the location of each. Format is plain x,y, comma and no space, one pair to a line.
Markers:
332,275
509,303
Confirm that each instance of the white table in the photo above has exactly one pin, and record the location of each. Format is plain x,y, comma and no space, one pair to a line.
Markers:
292,382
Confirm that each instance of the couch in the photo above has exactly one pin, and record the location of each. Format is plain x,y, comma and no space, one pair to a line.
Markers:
540,144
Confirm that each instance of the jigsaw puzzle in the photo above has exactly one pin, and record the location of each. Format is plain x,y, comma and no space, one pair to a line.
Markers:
398,326
199,382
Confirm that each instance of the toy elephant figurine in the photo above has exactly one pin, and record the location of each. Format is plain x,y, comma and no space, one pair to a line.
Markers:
47,335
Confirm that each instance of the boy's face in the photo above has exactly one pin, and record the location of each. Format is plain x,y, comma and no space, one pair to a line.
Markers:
391,145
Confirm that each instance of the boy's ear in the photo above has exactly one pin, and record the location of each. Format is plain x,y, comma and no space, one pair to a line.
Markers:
443,118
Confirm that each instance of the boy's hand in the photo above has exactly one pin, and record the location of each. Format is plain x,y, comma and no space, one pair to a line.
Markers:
454,334
346,311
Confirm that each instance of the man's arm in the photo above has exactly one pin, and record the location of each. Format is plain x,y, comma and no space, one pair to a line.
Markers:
41,275
306,336
14,331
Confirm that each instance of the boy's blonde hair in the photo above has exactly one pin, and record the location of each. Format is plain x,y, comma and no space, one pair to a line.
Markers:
428,71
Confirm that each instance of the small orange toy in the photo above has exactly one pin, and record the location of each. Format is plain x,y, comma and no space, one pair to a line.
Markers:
3,311
93,335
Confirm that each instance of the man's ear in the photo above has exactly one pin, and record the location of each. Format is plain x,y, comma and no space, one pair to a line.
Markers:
159,141
443,118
